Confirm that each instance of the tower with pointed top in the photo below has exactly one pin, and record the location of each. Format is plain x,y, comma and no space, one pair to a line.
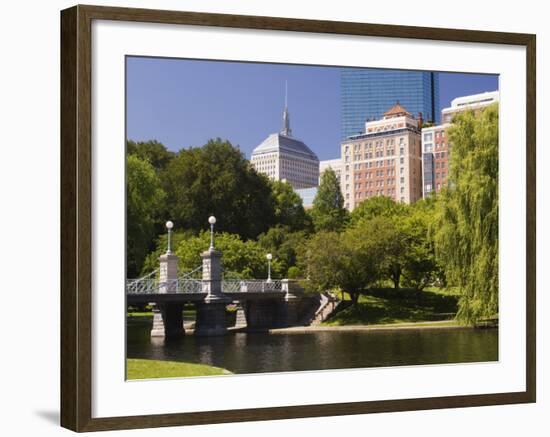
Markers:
286,131
282,157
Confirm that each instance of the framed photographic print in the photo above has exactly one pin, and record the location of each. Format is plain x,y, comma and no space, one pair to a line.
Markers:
268,218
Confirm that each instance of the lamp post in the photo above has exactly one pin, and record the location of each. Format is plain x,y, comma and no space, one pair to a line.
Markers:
269,258
212,221
169,226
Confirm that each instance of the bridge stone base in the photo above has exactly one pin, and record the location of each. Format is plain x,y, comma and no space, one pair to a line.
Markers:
168,321
271,313
240,318
289,313
211,318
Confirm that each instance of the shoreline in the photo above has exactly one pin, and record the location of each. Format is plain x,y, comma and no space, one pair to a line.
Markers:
444,324
426,325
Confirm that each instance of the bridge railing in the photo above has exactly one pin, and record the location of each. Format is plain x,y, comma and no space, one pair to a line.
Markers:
142,286
250,285
154,286
189,286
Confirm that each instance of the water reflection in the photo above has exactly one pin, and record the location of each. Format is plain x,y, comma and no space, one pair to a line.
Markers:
260,352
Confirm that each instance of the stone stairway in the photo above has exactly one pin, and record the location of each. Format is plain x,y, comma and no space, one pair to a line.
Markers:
329,303
322,306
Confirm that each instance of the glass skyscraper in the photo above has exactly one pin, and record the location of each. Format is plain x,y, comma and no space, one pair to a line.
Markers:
367,93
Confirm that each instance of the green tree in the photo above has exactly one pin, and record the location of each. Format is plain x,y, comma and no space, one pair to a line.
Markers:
466,228
217,179
383,239
240,259
152,151
377,206
289,209
294,273
144,199
335,261
399,235
328,211
283,244
420,267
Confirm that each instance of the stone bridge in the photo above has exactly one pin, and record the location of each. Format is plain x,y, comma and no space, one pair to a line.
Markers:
266,303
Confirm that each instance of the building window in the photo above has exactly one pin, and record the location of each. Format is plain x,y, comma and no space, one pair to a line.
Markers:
402,151
402,180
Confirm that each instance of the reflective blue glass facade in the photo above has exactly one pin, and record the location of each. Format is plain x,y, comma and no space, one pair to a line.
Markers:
368,93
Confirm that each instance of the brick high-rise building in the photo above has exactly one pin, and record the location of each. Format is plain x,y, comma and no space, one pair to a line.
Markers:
435,158
474,102
436,148
384,160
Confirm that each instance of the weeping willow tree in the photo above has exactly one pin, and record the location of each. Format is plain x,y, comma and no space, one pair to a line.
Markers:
466,224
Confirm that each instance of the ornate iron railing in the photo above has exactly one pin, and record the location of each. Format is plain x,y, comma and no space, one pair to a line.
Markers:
142,286
154,286
189,286
251,286
149,285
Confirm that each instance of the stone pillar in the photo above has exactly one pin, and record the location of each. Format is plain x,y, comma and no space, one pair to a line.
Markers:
167,317
212,273
211,312
158,323
168,321
289,309
240,319
168,273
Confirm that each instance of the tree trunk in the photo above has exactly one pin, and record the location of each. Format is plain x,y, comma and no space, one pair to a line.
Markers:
396,276
354,298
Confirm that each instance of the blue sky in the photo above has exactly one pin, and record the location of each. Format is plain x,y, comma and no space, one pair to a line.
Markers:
183,103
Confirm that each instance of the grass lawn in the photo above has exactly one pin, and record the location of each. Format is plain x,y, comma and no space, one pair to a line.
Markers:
145,369
388,306
189,313
140,314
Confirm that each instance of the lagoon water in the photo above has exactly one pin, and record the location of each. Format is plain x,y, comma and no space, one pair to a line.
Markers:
280,352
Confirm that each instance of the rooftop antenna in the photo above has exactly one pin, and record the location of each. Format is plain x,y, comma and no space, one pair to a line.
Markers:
286,117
